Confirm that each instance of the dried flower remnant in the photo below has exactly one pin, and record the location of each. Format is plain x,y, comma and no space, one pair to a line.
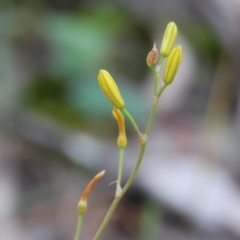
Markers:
152,56
82,205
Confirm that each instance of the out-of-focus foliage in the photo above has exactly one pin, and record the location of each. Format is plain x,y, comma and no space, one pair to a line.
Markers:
60,53
203,38
50,54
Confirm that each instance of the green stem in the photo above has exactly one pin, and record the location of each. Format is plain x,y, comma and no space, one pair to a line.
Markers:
118,197
155,80
131,120
160,61
156,100
120,165
161,90
131,178
107,217
79,226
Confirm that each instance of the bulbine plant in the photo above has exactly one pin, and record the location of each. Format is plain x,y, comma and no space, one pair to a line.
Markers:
154,60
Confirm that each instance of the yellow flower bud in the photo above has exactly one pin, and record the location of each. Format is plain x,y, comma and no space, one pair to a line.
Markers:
168,39
172,65
152,56
110,89
82,205
122,139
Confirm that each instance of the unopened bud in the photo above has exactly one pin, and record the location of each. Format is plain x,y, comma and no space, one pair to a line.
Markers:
110,89
82,205
122,139
168,39
172,65
152,56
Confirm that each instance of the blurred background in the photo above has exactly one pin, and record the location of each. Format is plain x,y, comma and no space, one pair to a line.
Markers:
57,130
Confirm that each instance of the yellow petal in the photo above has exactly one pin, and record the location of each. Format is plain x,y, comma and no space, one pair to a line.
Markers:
122,139
169,38
110,89
172,64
